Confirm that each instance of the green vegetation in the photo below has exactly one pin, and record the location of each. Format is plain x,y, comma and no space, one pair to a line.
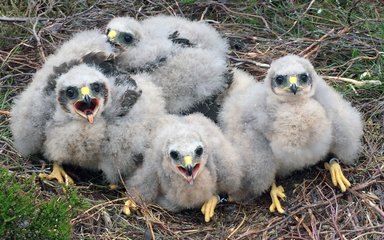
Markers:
24,215
262,30
23,8
352,49
42,9
188,1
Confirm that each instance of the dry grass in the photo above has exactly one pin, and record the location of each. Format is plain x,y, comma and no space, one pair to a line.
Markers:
344,40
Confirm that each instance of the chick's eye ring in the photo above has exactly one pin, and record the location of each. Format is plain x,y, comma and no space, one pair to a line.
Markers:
96,87
279,79
174,155
71,93
128,38
303,78
199,151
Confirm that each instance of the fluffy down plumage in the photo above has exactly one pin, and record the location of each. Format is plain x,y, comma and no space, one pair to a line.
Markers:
78,131
186,59
34,107
129,136
163,178
280,128
70,138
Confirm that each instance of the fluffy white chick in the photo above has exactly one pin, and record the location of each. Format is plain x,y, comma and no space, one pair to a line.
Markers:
297,118
188,164
76,132
186,59
33,107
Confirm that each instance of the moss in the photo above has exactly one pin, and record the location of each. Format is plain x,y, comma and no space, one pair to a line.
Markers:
23,215
188,1
43,8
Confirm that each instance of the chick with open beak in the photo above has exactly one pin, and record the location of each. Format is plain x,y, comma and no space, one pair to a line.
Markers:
81,94
88,106
85,100
188,165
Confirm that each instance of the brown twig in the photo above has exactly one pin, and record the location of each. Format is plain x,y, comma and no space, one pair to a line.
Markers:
249,15
99,207
23,19
299,18
370,204
355,82
39,45
259,64
301,209
315,45
256,44
237,228
334,212
5,112
300,222
369,234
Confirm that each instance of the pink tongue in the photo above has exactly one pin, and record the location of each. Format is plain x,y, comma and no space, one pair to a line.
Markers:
90,118
190,180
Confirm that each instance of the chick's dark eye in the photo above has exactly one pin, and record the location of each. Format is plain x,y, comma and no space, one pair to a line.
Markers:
96,87
199,151
279,79
108,30
128,38
303,78
71,92
174,155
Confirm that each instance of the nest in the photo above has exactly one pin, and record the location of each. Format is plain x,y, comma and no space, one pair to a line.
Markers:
341,39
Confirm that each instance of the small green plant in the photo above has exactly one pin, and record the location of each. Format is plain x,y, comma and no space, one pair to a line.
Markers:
188,1
23,215
355,52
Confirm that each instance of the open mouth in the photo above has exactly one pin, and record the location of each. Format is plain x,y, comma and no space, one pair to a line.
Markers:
189,175
87,109
115,44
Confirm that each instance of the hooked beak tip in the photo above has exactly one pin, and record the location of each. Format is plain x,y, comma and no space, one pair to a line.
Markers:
189,169
293,88
87,99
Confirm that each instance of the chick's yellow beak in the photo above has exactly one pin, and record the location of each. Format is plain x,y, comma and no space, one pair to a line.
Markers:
188,169
187,160
85,91
292,80
88,106
188,165
112,35
293,84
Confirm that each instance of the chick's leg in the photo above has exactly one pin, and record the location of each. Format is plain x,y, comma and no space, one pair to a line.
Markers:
208,208
276,193
59,174
338,178
128,206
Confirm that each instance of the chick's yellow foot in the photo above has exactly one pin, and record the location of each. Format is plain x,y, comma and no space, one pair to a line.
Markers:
338,178
276,193
208,208
113,186
59,174
128,206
